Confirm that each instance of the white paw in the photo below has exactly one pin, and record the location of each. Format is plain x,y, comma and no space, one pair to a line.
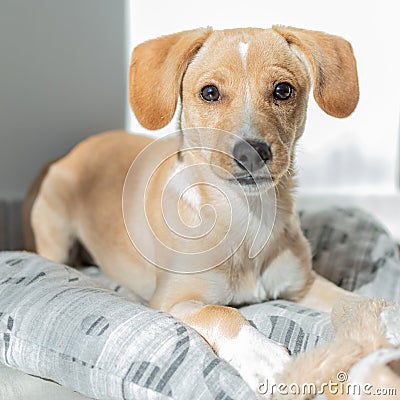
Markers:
390,318
256,358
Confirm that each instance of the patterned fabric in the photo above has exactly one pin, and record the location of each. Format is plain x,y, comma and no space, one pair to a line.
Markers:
353,250
86,333
59,324
298,328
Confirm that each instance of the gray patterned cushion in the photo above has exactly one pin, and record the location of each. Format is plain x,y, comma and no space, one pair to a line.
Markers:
352,249
86,333
59,324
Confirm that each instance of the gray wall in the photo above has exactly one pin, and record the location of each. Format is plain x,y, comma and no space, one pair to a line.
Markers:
63,68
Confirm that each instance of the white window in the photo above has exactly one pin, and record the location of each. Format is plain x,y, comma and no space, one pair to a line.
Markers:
356,156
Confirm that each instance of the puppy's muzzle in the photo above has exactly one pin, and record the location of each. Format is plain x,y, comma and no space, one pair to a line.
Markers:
252,155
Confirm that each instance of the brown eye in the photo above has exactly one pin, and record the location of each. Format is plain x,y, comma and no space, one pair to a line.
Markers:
283,91
210,93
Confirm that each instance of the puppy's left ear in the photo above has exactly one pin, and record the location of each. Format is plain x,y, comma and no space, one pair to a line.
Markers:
333,67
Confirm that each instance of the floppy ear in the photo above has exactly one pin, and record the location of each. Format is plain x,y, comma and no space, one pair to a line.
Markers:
156,72
333,67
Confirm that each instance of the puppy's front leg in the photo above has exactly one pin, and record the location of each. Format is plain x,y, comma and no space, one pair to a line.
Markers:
231,336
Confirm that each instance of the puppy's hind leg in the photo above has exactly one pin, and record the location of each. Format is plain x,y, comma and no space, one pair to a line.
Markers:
50,219
52,236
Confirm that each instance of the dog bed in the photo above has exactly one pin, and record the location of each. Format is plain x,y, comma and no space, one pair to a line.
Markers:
86,333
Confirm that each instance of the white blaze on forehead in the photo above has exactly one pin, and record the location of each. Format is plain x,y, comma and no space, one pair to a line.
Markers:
247,111
243,49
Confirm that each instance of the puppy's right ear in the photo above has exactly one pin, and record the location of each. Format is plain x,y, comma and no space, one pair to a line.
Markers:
156,73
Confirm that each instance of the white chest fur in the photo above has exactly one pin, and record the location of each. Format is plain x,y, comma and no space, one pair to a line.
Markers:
258,225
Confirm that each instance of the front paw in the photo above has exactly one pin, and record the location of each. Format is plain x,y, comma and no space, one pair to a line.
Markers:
256,358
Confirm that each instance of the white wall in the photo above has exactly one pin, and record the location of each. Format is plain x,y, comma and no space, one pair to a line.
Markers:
62,78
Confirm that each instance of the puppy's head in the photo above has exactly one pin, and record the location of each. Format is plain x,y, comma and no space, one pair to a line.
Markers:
251,83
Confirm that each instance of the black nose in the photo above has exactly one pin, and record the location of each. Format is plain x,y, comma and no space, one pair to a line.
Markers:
251,154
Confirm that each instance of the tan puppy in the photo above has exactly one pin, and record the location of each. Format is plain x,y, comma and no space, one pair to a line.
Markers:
253,84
